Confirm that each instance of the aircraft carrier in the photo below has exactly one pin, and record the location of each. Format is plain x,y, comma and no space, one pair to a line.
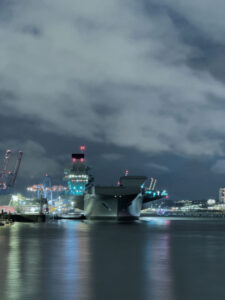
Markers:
124,201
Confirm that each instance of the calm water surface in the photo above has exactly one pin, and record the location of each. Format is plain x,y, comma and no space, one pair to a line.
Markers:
154,258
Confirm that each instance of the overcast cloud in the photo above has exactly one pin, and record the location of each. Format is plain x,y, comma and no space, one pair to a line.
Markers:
116,72
206,15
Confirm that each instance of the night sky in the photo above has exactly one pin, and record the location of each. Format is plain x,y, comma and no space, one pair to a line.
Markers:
140,83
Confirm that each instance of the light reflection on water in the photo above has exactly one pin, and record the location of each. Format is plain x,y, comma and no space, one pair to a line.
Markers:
159,269
154,258
156,221
43,259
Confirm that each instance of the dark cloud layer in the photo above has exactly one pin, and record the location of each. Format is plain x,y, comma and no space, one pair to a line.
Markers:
141,83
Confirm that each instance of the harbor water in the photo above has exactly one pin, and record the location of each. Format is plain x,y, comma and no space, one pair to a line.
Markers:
153,258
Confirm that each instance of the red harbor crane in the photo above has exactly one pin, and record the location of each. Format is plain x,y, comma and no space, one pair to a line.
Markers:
7,177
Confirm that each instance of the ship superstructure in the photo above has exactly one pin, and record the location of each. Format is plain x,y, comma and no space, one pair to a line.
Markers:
150,193
77,178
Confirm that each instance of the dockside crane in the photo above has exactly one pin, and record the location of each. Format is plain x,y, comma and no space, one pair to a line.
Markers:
3,171
47,184
16,169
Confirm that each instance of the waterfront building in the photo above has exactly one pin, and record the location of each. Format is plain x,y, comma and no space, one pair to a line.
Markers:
211,202
222,195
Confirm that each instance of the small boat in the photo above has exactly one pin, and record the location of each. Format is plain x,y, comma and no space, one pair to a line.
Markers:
70,216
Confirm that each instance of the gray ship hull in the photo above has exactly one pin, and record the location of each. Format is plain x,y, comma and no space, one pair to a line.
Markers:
123,202
126,207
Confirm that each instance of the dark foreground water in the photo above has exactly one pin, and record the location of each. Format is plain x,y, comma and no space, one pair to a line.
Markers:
150,259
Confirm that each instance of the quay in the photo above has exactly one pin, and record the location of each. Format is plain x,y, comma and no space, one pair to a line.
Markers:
28,218
7,218
190,214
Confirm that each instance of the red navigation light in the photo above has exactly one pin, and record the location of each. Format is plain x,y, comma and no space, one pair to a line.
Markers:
126,173
118,182
74,160
82,159
82,148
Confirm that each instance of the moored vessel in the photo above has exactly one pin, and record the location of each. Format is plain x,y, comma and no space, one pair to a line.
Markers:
123,202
